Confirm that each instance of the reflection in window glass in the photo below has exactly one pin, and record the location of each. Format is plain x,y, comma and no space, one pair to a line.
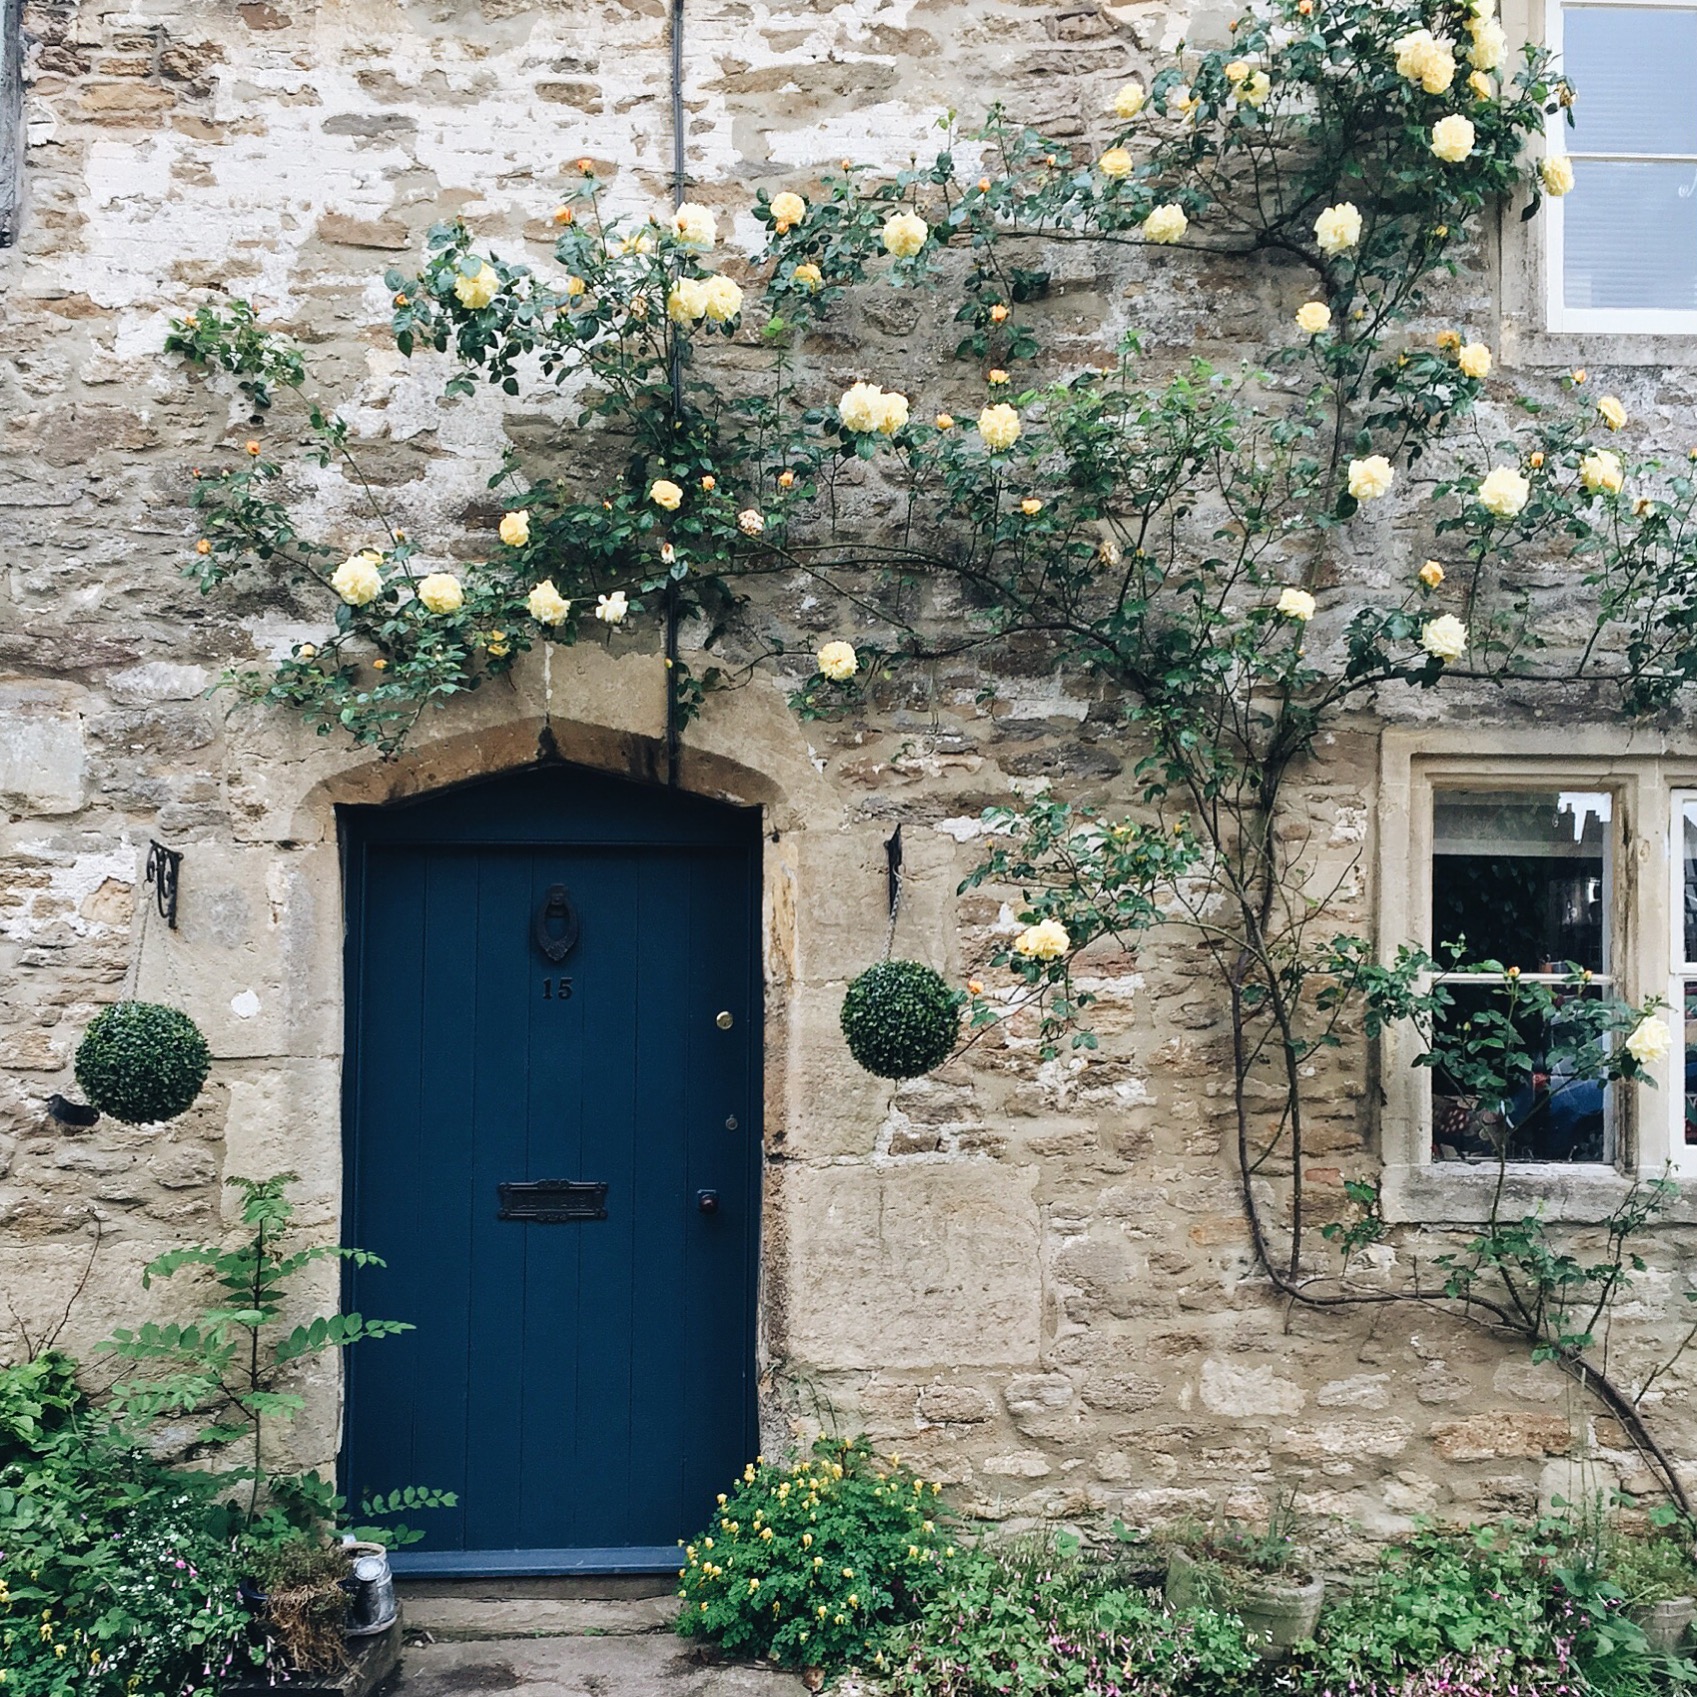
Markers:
1518,876
1521,879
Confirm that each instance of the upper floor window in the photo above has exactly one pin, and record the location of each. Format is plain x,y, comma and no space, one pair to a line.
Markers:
1623,252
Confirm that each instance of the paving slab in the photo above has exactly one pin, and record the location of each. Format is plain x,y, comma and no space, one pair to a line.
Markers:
629,1665
539,1617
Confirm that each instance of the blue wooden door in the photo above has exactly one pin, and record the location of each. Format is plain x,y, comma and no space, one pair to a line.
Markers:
584,1384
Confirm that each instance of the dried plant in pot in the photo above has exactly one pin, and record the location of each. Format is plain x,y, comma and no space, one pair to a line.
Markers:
1256,1576
299,1592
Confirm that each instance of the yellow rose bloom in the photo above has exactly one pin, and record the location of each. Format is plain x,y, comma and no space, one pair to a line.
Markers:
1611,412
611,609
892,412
1129,101
663,492
1490,44
1338,228
515,529
686,300
1445,637
788,210
441,593
693,225
1556,173
1116,163
1431,574
1047,940
1475,360
1255,91
1452,139
479,289
1650,1041
860,407
1165,225
1423,58
1601,472
723,300
905,234
999,427
838,661
1371,477
1031,506
575,287
1313,318
1237,71
549,607
1503,491
809,276
1297,604
357,579
750,523
1481,85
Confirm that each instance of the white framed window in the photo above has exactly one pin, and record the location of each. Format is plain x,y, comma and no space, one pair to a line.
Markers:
1537,858
1524,878
1622,246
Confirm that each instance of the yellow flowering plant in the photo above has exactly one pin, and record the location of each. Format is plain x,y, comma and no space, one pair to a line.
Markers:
811,1563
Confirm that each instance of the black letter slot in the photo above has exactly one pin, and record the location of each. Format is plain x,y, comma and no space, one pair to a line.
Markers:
554,1201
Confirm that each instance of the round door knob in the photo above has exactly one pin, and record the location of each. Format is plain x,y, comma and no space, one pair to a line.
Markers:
724,1022
707,1201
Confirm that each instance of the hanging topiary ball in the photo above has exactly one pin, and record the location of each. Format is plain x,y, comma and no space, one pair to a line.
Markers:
900,1019
140,1062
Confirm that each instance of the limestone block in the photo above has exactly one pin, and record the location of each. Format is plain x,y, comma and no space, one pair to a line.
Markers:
1021,1464
256,956
1501,1434
287,1117
1334,1440
155,681
1230,1389
956,1404
832,1106
41,1279
1360,1390
1531,1381
41,748
931,1265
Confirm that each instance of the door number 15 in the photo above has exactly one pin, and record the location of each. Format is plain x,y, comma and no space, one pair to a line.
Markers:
556,989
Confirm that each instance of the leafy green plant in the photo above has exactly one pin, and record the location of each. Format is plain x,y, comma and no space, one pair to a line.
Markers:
1235,1545
809,1564
140,1062
117,1572
900,1019
230,1369
1035,1615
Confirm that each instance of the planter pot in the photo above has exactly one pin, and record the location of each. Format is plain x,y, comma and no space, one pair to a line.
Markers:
1280,1610
1665,1623
373,1662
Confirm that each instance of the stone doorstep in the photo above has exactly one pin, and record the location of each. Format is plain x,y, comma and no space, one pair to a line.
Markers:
472,1609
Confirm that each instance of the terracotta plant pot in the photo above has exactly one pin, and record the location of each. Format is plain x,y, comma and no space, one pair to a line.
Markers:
1665,1623
1280,1609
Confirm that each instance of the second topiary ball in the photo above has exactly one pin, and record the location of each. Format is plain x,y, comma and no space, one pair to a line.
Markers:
901,1019
141,1062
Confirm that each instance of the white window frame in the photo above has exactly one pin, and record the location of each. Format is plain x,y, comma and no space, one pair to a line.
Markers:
1648,784
1558,317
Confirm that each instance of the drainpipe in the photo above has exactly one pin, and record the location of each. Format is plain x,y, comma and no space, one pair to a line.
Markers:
674,727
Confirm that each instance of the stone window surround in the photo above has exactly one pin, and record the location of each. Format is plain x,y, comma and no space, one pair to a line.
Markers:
1645,775
1523,256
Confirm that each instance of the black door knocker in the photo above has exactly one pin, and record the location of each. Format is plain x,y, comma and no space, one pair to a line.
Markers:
555,927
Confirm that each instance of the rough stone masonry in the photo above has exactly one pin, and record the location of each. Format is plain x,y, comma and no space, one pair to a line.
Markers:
1032,1279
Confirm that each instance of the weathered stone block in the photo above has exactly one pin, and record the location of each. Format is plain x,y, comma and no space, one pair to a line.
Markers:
1502,1434
921,1266
41,748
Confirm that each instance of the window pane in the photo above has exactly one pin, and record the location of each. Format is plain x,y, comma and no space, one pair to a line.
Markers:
1630,236
1633,67
1688,859
1520,876
1689,990
1543,1108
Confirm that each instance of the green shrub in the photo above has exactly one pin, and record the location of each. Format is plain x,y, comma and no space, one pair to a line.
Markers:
1034,1616
809,1564
117,1575
900,1019
140,1062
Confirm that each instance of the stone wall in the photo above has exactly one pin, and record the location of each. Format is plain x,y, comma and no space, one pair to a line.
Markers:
1030,1277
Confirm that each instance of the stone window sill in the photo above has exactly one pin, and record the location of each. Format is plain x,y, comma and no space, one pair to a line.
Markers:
1459,1193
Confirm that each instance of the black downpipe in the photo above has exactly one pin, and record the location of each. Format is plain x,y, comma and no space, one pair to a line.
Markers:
674,725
